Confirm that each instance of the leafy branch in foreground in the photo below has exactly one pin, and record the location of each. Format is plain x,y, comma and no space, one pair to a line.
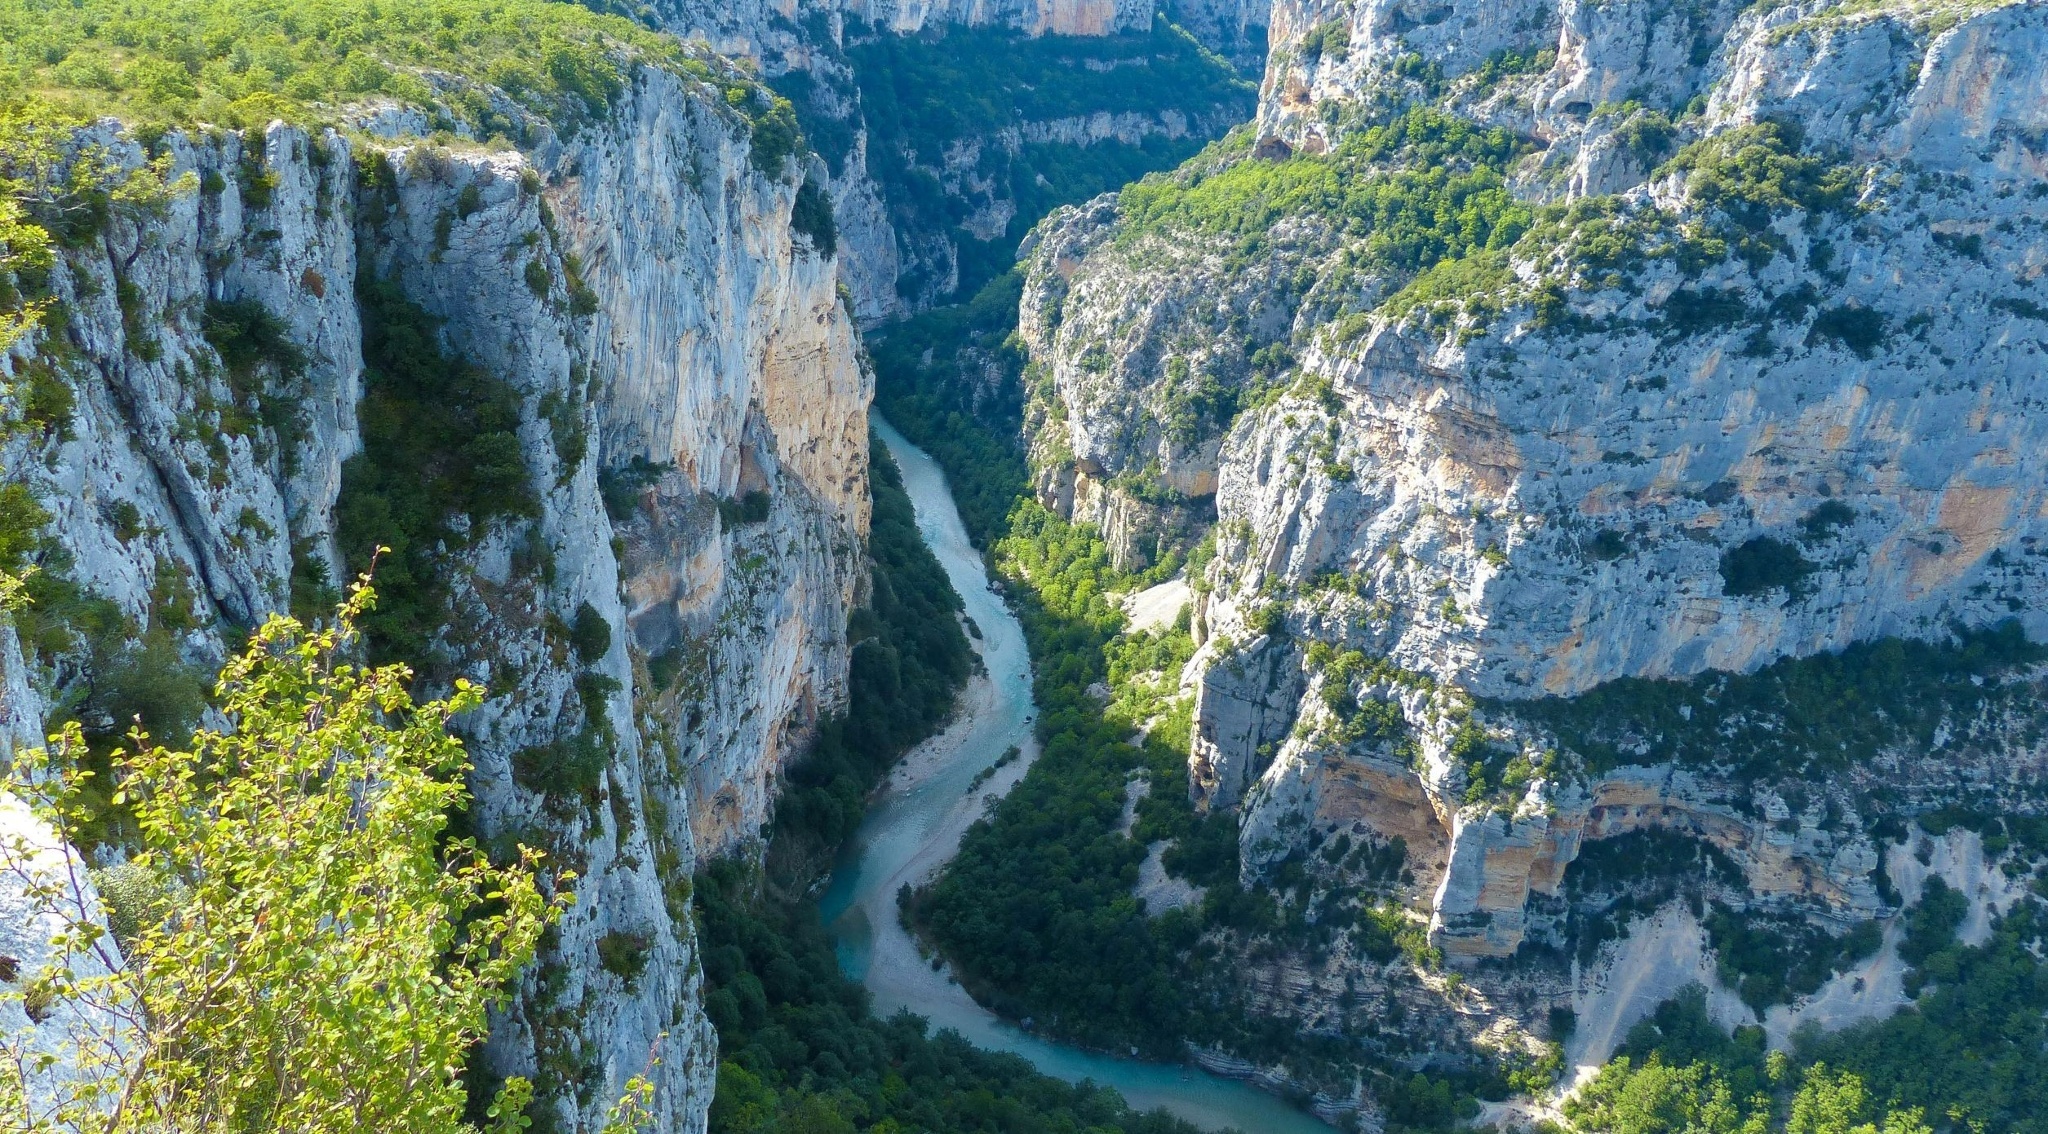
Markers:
293,944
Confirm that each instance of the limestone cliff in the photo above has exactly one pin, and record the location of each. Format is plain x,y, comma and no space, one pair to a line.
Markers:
671,347
1576,356
921,205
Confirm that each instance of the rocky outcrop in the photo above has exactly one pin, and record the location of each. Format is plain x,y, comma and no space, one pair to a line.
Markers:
1769,420
1496,862
638,288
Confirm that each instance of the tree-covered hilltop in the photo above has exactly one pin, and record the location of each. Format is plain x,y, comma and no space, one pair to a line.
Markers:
227,63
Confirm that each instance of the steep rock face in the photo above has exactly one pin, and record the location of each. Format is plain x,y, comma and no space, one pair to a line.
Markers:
901,251
639,290
1756,427
729,357
808,37
39,864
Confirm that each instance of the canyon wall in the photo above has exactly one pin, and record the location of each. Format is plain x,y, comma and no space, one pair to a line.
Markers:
659,623
1615,414
910,205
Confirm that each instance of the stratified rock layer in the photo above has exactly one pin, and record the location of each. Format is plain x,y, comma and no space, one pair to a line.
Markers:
1707,458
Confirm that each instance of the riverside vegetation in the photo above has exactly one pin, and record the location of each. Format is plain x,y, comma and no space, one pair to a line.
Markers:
257,839
1038,917
1037,913
799,1048
1376,285
249,849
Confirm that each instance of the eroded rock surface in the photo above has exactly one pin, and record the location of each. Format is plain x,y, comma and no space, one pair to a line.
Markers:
1474,474
639,289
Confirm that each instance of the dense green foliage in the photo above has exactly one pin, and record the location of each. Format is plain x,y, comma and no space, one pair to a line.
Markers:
1037,905
1967,1056
243,62
301,946
1769,960
1762,565
1797,716
1753,172
1971,1047
811,215
1680,1074
802,1052
1420,188
440,458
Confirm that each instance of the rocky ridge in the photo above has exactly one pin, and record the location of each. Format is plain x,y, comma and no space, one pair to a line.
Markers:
638,286
1658,421
776,31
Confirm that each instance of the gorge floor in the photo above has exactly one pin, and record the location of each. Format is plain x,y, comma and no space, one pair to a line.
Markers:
915,825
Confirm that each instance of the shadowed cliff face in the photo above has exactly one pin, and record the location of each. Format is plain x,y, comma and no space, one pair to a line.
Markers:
1525,349
633,302
949,128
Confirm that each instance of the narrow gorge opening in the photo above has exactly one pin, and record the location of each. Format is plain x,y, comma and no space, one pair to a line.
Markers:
1446,566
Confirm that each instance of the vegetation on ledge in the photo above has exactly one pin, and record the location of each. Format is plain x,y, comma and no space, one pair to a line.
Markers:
1799,717
440,462
1966,1056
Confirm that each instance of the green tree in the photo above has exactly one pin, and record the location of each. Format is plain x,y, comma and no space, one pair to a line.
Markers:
1658,1098
301,947
1836,1103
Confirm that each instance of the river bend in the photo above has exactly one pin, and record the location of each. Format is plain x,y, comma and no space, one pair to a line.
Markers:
915,823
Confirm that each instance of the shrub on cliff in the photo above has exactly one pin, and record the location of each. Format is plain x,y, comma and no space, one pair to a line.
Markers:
300,946
440,461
